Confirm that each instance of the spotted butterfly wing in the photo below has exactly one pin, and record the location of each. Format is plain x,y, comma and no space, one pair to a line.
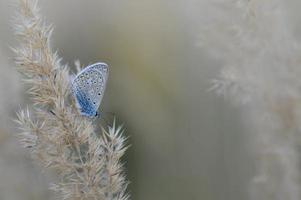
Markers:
104,70
102,67
88,88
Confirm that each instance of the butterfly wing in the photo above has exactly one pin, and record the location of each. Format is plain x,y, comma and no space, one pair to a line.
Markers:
104,73
88,88
102,67
83,103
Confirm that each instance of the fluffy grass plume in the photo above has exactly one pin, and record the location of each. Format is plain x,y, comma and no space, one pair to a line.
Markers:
254,39
87,162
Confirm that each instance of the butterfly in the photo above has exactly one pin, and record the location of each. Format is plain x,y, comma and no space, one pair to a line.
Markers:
88,88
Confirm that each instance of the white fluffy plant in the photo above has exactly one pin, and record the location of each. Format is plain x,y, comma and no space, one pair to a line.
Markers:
261,71
87,162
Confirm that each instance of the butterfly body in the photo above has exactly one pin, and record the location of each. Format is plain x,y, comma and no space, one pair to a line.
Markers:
88,88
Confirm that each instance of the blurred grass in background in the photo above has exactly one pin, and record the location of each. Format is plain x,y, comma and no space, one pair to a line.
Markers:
186,143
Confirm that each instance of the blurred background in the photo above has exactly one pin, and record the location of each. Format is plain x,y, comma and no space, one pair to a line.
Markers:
186,142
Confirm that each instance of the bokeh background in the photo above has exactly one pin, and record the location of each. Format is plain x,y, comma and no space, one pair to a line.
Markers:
186,142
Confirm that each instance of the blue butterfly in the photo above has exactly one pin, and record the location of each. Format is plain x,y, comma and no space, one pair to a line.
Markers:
88,88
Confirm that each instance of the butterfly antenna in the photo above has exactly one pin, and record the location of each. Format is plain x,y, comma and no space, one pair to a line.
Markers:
107,118
111,114
105,121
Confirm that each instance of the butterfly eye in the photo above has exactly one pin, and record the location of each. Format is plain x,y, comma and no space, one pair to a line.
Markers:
98,94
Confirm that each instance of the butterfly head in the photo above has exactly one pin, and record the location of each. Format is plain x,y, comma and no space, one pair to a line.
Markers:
97,114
